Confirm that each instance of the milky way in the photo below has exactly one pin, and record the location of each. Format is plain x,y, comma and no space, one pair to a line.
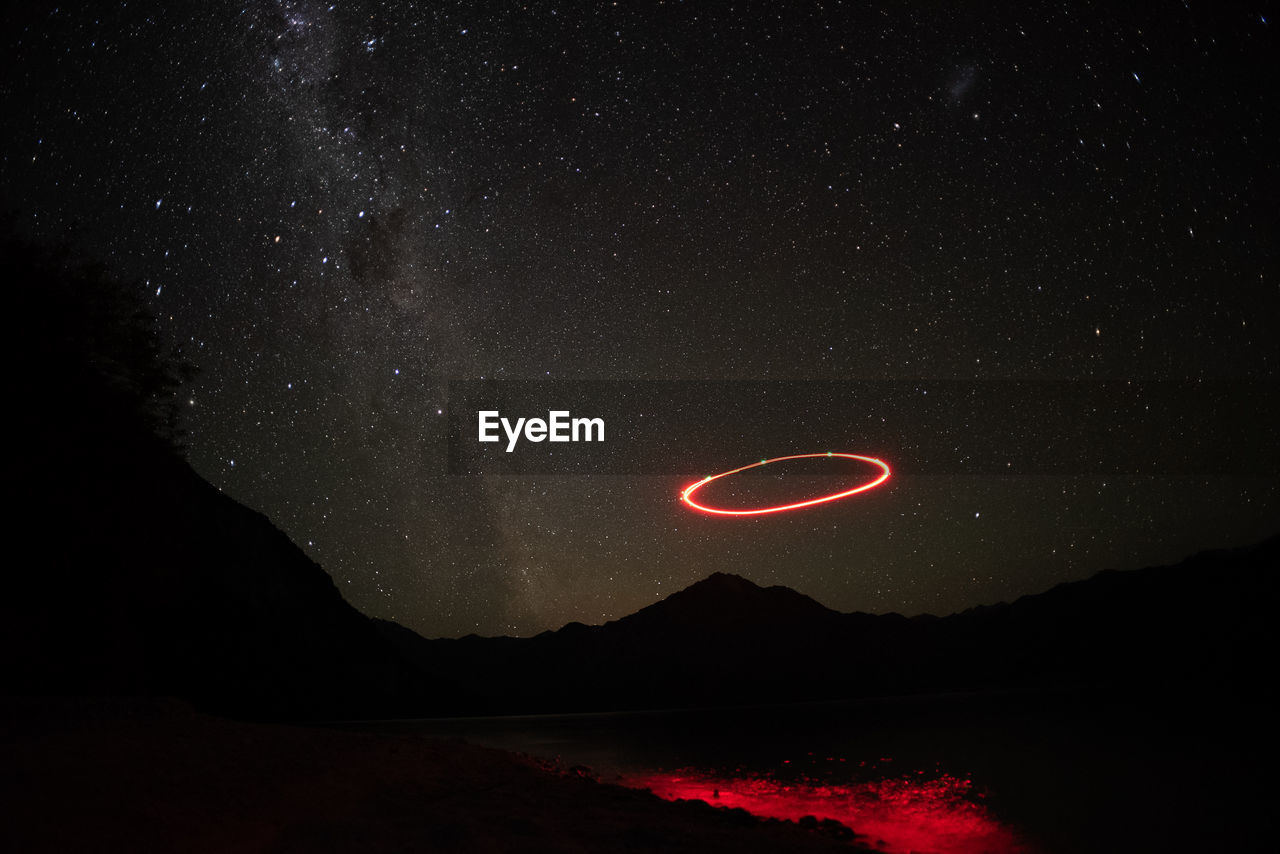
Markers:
336,209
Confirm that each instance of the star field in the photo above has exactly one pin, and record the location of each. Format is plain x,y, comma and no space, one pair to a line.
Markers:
335,209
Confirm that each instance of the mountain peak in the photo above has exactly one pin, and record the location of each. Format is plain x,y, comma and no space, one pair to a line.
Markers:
724,581
724,601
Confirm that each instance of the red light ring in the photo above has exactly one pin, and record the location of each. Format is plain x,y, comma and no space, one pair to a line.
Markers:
687,494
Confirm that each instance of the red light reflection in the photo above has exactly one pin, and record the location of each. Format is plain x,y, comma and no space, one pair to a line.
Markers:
941,815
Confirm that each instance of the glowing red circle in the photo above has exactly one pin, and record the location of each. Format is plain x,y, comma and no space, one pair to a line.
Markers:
687,494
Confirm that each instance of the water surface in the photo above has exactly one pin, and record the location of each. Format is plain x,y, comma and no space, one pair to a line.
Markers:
958,774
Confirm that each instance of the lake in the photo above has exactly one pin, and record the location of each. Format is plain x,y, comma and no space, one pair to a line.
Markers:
1006,772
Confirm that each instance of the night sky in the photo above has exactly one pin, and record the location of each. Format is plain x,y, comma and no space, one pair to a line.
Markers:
335,210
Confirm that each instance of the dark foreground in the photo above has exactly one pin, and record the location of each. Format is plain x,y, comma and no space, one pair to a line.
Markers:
157,777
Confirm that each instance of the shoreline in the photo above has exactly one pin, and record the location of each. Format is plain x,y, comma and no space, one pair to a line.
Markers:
155,775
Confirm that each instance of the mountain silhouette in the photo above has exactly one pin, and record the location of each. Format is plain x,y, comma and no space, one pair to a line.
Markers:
726,640
130,574
719,607
159,584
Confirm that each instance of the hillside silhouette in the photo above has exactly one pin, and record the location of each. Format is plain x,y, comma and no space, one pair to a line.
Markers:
131,575
1196,626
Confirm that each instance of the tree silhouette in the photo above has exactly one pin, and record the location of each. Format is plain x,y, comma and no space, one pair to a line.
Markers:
91,373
